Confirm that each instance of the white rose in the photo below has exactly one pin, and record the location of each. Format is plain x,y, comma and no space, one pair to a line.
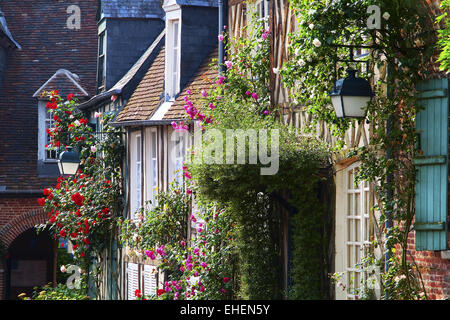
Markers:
317,42
311,26
63,269
301,62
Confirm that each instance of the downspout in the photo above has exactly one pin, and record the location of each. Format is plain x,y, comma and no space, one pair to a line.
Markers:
222,7
389,193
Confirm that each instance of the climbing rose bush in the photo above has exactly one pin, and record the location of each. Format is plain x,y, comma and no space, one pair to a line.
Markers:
197,268
80,208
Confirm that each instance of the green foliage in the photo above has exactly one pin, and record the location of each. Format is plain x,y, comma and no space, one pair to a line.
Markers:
444,36
400,53
60,292
63,258
83,208
197,268
253,200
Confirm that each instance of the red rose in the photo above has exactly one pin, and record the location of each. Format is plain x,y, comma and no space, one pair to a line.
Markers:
74,235
41,201
63,233
70,96
137,293
160,292
75,247
47,191
78,199
78,213
86,241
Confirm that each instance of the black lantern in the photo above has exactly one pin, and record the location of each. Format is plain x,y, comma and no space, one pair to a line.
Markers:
68,162
350,96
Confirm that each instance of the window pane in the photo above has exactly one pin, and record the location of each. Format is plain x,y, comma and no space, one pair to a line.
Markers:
154,145
357,204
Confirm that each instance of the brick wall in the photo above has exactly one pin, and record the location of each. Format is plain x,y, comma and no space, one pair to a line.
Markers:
40,27
434,268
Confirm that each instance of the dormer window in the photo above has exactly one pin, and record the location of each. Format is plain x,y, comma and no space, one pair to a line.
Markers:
173,58
101,70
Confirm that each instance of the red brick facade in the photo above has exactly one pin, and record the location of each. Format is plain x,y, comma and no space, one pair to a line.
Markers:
435,270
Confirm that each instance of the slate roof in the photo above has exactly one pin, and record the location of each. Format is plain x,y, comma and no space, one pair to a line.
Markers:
4,29
132,9
148,95
131,76
203,79
201,3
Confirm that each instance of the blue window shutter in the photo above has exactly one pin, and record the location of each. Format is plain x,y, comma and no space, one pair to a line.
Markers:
432,166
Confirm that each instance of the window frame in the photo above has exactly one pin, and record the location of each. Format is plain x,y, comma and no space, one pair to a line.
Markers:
176,160
44,118
101,62
356,230
136,194
172,67
151,160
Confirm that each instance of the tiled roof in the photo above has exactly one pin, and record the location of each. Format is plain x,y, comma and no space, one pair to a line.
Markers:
65,82
132,9
203,79
148,95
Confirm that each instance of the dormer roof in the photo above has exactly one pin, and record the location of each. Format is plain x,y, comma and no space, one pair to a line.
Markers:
65,82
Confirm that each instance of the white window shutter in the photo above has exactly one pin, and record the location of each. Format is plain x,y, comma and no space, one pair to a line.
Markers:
132,280
150,279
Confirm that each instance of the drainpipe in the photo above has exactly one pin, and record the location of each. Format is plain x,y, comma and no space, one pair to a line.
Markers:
389,194
221,46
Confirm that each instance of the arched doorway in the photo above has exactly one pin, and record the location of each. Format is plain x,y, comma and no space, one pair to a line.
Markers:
31,262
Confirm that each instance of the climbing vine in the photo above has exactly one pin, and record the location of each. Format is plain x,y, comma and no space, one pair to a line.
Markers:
238,101
444,36
399,52
83,208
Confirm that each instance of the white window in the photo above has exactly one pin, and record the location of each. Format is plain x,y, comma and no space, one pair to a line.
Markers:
173,58
135,173
101,70
45,123
152,165
177,155
262,8
138,171
49,125
356,232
